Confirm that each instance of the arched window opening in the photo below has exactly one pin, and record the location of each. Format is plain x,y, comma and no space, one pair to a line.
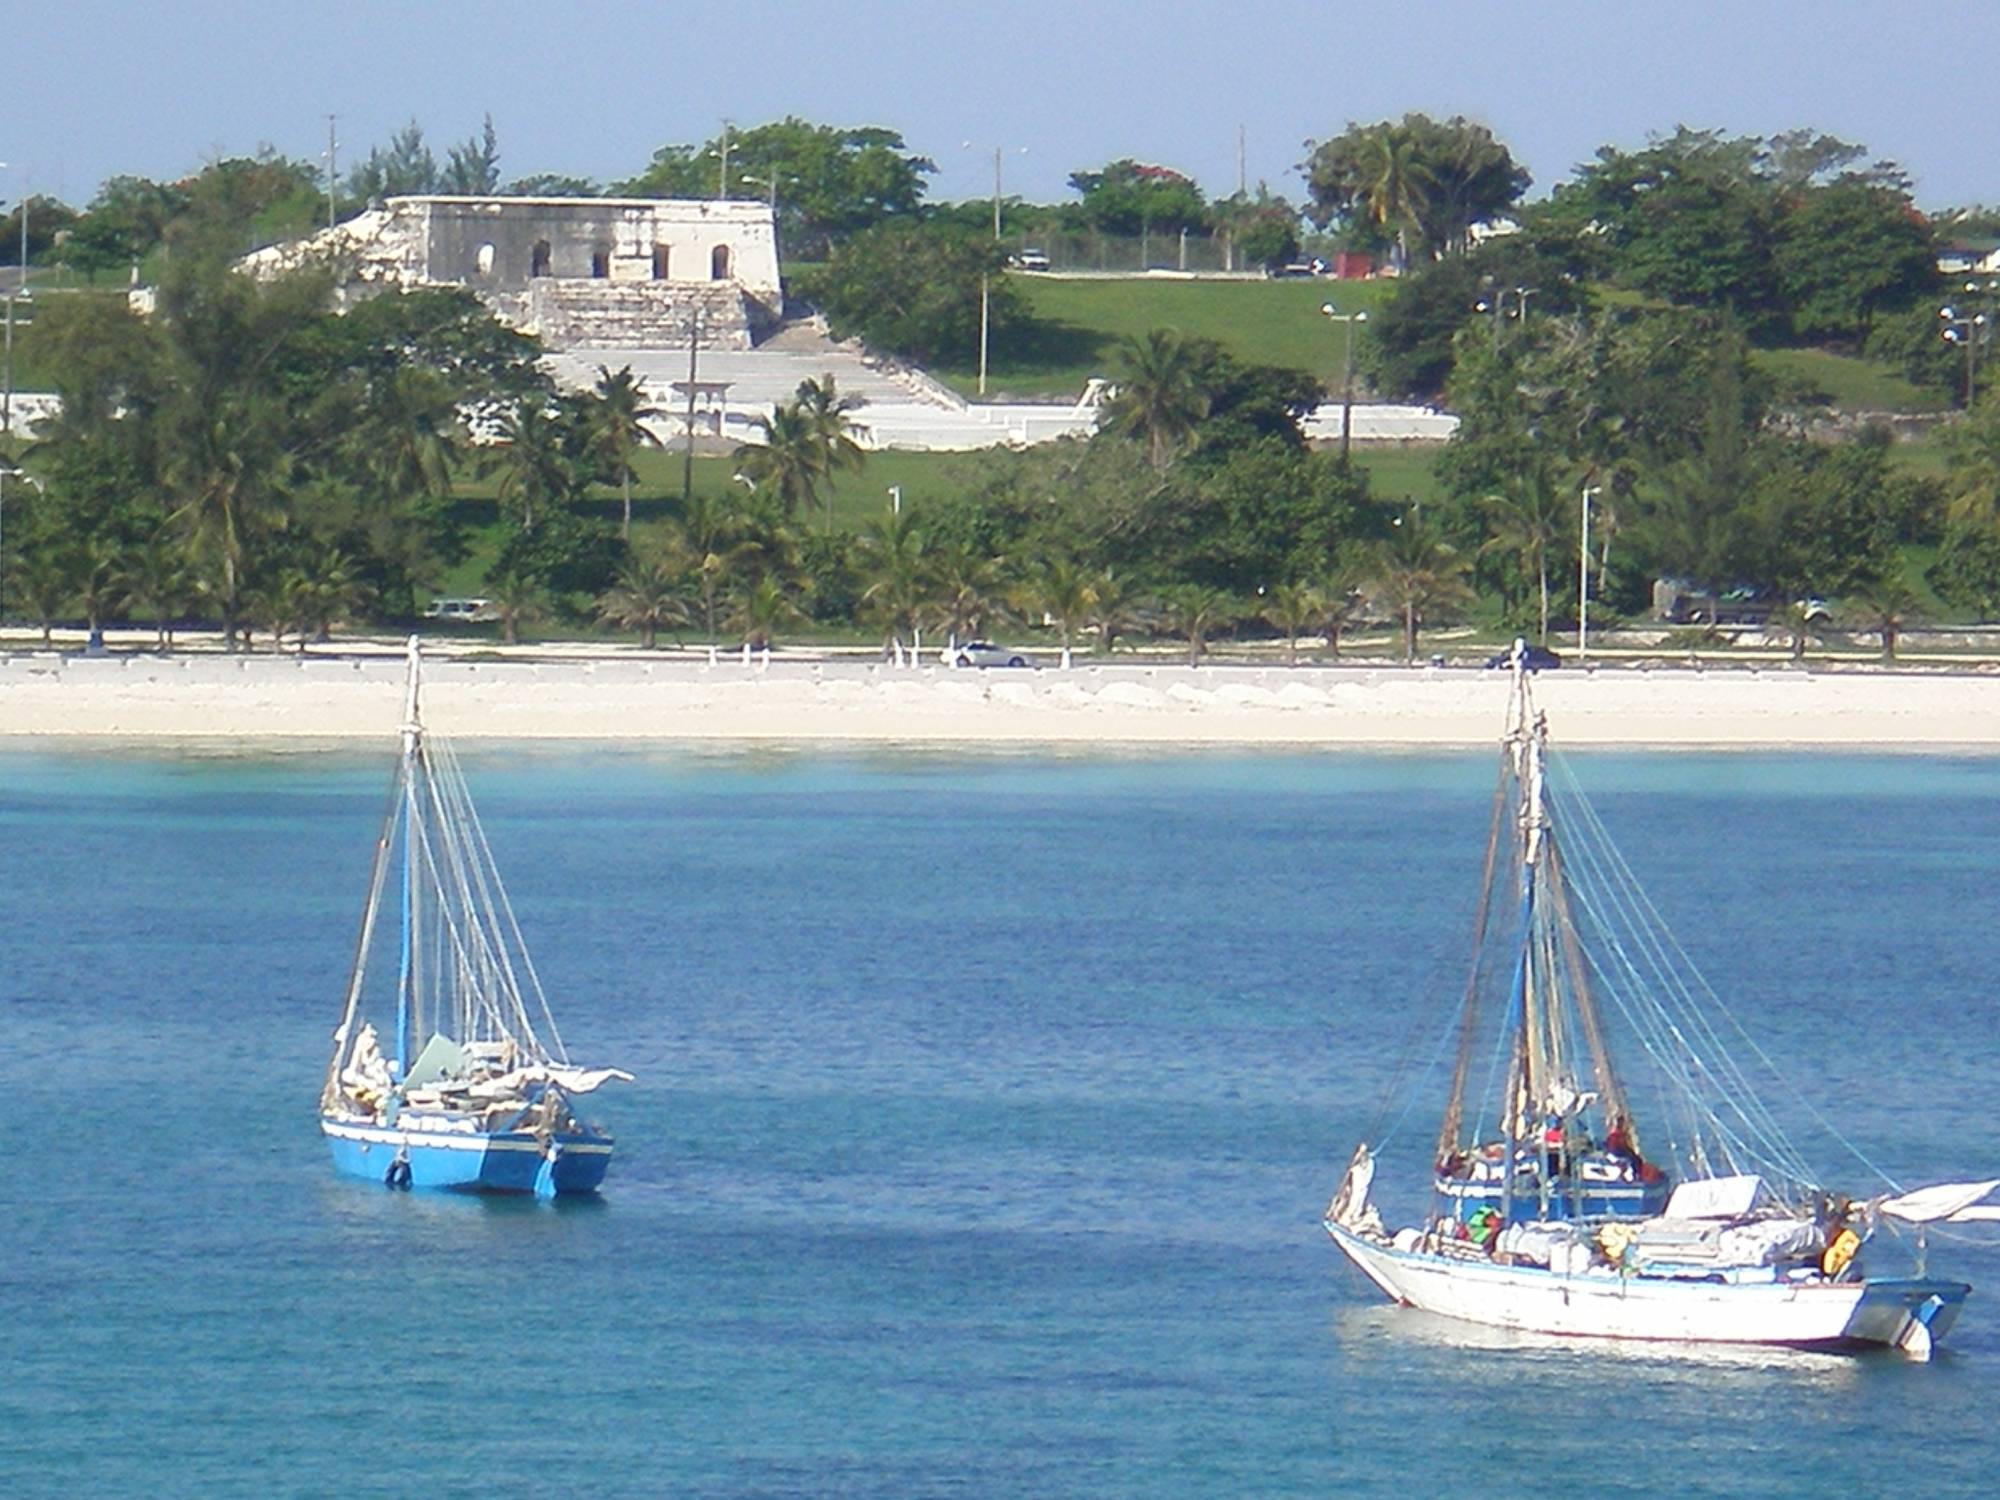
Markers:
484,260
600,262
540,265
660,259
718,264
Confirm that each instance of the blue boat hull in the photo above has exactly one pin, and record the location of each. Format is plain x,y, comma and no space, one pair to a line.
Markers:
501,1162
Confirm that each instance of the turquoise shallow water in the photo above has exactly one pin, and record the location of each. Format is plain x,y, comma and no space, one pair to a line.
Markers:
986,1109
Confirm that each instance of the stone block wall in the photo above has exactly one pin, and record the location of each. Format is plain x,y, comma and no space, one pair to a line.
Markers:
568,313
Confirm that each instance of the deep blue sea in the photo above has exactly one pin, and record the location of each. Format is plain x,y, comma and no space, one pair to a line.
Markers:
987,1105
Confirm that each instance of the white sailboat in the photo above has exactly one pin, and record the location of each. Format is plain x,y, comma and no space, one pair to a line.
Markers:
487,1102
1548,1215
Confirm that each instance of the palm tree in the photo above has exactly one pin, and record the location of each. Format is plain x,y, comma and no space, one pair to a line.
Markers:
621,415
789,461
227,466
1159,393
97,583
1395,185
1341,604
1526,521
326,590
826,412
271,600
414,433
646,597
1110,607
516,598
531,461
1799,622
1884,604
1292,607
1059,589
967,585
898,586
759,611
38,584
157,584
1191,612
1419,574
715,536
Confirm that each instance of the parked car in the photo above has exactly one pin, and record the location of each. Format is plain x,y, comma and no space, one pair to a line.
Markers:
463,610
980,654
1031,260
1538,658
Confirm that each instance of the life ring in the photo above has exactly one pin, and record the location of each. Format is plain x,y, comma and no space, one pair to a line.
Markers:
398,1175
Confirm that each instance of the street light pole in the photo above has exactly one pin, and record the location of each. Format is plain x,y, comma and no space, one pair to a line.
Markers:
1583,576
1347,377
21,285
5,475
986,277
1495,304
1968,331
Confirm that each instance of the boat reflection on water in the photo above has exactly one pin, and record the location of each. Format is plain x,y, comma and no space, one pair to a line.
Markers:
1371,1332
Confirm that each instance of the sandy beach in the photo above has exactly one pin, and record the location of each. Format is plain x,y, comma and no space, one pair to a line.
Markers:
629,696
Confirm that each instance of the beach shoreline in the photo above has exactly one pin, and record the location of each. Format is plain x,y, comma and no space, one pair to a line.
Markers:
218,701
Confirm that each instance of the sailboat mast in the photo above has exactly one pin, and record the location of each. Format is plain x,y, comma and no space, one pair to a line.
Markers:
1525,1011
413,734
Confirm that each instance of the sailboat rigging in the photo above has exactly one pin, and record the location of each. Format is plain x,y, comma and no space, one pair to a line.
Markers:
1547,1214
487,1102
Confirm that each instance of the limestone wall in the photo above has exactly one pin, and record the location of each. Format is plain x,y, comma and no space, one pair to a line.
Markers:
621,272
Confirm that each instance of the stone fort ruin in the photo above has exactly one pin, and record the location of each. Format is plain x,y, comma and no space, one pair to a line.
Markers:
630,273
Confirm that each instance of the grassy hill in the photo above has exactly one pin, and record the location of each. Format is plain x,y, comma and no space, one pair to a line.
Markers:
1848,383
1083,320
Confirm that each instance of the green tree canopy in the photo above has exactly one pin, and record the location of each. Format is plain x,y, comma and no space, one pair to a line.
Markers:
49,219
1849,251
914,289
405,165
831,181
1126,197
1419,182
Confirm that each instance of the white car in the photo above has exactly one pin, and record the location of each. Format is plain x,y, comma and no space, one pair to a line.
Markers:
980,654
461,609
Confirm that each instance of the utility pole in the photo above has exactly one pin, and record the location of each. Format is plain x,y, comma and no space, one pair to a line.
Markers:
1968,330
18,290
722,177
1347,377
1242,177
332,147
1583,577
687,459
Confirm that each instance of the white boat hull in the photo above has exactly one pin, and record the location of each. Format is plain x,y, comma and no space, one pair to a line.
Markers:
1910,1314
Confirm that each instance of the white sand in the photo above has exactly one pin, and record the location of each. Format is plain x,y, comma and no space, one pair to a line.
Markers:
631,697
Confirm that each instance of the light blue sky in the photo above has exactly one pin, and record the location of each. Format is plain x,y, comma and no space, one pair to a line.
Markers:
591,88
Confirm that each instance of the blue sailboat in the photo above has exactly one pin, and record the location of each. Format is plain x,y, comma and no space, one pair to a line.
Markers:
471,1088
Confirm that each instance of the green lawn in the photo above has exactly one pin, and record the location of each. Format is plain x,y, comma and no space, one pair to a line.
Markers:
1083,320
1848,383
1405,476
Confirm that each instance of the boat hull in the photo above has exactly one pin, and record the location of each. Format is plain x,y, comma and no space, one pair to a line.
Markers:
1911,1314
468,1161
